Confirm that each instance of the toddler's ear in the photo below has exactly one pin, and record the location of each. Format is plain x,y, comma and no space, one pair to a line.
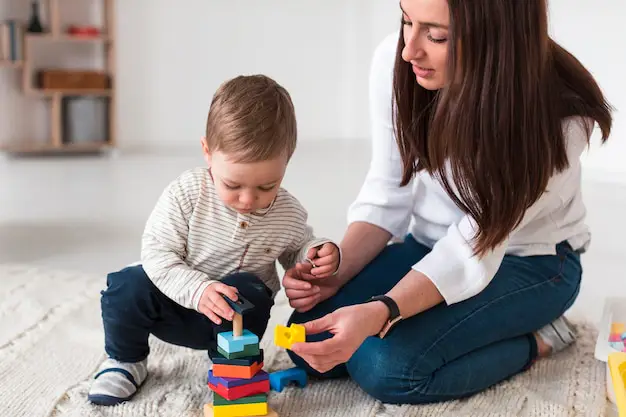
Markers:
205,151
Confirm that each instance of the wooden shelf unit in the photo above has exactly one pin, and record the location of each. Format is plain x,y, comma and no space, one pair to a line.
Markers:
54,33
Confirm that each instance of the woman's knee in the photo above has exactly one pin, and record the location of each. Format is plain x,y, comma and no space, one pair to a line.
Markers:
377,368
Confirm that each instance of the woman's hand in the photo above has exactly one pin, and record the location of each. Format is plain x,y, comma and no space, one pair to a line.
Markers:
304,290
350,326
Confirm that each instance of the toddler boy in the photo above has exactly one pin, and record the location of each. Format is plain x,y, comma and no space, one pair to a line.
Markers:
215,231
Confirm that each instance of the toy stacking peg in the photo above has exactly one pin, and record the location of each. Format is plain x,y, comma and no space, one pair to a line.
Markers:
240,385
240,307
237,325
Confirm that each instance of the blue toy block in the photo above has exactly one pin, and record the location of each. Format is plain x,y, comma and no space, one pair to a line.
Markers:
280,379
234,344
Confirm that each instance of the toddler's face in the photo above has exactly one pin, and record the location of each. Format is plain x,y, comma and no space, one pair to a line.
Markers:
246,187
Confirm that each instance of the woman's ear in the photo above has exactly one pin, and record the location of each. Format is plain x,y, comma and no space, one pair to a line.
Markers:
205,151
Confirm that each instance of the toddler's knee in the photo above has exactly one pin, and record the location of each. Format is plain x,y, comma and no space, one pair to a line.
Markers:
127,285
252,288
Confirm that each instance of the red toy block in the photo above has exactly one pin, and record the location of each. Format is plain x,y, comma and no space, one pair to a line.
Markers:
234,393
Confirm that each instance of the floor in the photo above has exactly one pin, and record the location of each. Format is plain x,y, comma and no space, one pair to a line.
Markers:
88,213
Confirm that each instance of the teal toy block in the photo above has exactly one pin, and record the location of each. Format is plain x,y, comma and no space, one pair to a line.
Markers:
281,379
233,344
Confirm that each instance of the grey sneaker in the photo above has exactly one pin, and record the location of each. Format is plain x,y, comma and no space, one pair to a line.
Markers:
558,335
116,382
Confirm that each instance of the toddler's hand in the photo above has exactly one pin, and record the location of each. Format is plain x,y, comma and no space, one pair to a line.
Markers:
325,258
213,305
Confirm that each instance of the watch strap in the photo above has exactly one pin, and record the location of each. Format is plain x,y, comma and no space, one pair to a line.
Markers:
394,310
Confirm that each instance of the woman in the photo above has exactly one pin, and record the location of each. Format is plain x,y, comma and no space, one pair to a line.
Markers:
480,163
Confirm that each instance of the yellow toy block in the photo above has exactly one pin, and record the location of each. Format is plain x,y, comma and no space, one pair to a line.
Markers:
285,336
617,365
208,412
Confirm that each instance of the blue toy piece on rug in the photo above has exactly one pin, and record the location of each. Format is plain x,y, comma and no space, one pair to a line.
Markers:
280,379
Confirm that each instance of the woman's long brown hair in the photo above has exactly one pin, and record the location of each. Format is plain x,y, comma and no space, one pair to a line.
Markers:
493,136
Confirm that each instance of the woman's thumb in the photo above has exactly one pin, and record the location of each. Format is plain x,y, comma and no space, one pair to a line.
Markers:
320,325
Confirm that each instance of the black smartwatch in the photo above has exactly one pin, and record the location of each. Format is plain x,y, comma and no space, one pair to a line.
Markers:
394,313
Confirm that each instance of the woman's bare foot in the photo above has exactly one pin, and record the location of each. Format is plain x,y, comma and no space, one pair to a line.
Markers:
555,337
543,349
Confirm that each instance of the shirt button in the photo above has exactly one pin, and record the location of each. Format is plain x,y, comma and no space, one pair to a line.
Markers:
243,225
268,251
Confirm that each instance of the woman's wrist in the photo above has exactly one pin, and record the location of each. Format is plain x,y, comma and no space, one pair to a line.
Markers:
377,314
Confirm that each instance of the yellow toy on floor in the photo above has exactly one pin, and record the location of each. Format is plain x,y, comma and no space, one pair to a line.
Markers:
617,365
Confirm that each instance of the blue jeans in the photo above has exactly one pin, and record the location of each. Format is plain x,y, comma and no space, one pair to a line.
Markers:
452,351
133,308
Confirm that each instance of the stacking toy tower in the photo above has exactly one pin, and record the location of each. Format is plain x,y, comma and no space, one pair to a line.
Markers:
239,384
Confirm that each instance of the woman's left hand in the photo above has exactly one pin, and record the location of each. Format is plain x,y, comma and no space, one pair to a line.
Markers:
350,326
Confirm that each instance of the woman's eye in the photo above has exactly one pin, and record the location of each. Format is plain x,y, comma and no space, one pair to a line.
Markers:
436,39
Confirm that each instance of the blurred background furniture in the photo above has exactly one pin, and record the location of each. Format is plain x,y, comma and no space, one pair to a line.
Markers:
80,98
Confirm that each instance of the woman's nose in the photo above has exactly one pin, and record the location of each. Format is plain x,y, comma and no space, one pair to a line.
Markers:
413,48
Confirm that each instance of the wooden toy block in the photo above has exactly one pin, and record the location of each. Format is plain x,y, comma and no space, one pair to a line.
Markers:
615,337
220,359
285,336
208,412
618,328
617,367
258,398
234,371
234,344
240,410
234,393
280,379
249,350
241,306
235,382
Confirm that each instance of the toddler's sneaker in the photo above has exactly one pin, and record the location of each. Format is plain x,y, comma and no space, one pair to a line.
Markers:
116,382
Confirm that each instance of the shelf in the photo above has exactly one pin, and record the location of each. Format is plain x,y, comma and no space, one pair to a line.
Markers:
50,37
75,37
47,148
11,64
69,92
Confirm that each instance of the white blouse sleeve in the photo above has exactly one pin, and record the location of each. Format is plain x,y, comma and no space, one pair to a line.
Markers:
381,201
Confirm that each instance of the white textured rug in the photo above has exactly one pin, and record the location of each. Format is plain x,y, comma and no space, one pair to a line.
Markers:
51,342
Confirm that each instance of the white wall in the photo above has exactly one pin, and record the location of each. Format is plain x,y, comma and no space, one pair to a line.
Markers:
595,31
171,60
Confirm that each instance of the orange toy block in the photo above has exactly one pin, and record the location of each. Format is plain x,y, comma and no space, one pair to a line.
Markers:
236,371
618,328
208,411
